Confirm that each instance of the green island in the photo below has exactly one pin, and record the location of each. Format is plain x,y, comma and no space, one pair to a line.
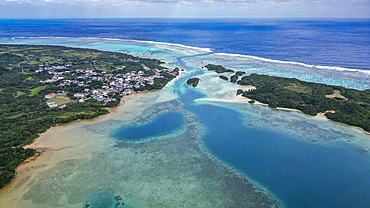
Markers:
339,104
193,82
235,77
42,86
224,77
218,68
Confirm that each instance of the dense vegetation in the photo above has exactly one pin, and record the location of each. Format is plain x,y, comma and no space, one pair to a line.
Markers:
217,68
24,113
239,73
193,81
239,92
234,78
224,77
339,104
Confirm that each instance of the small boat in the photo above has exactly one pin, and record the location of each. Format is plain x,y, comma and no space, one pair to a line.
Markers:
366,149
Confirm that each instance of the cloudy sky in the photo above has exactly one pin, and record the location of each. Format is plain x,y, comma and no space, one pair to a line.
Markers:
184,8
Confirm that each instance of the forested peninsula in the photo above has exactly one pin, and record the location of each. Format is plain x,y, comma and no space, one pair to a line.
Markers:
339,104
42,86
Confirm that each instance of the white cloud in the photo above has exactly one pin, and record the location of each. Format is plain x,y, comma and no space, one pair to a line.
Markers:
199,8
334,2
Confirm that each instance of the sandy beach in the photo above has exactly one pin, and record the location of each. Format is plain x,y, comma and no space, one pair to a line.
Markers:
241,99
173,80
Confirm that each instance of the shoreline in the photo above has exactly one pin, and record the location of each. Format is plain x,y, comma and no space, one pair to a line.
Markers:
38,146
174,79
241,99
34,157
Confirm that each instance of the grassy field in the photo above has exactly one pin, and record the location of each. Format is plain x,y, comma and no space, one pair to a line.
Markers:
19,93
60,100
34,63
336,94
36,90
297,88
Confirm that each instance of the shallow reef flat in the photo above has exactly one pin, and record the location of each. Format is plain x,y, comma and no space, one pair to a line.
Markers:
351,78
83,165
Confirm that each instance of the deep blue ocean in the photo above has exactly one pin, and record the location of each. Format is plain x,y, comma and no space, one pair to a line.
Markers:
339,42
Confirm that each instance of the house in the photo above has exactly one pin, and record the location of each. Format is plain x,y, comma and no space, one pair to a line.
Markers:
50,95
63,93
52,104
79,95
62,106
250,88
98,98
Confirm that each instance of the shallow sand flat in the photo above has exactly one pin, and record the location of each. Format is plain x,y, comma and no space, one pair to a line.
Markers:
73,142
81,162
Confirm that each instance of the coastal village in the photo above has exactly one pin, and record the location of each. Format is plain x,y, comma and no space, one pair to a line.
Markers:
42,86
111,85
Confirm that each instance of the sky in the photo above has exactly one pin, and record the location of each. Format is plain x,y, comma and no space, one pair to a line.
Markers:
59,9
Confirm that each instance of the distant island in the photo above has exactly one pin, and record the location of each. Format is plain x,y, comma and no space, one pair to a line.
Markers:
42,86
339,104
193,82
218,68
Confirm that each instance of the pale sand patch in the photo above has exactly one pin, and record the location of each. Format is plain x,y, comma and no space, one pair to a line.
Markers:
173,80
336,94
242,99
322,115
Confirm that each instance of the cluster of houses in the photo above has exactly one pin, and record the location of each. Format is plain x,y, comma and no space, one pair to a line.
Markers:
110,85
53,70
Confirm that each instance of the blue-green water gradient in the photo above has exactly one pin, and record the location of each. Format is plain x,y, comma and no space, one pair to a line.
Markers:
162,124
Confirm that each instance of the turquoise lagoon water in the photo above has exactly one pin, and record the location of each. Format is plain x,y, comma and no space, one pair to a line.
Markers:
299,173
328,173
161,125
